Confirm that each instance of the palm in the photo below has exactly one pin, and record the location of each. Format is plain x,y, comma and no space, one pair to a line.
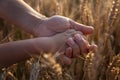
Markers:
57,24
53,25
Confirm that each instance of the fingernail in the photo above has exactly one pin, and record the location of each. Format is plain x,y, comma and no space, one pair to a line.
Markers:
70,41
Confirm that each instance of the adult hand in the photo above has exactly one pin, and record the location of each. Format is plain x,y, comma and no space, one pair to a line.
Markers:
57,24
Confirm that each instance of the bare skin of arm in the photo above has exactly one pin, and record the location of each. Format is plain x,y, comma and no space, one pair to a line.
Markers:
13,52
20,14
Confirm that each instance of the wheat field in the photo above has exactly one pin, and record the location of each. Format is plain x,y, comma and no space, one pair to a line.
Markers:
103,64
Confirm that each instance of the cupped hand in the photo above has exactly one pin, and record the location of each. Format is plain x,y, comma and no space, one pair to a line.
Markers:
57,24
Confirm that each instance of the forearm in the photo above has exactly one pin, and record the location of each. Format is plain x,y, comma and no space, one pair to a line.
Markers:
20,14
13,52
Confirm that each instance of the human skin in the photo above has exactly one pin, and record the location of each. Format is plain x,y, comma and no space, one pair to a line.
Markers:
17,51
23,16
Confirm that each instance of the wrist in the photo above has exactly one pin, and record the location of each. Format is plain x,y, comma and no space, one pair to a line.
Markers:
32,22
20,14
37,26
43,44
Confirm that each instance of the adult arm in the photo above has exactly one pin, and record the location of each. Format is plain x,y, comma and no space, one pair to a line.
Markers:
20,14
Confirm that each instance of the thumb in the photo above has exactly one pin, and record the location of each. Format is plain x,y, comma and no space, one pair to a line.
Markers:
80,27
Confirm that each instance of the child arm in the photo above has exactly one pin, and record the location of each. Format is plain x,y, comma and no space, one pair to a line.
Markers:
17,51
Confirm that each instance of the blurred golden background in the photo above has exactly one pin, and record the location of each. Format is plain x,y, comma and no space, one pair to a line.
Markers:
104,64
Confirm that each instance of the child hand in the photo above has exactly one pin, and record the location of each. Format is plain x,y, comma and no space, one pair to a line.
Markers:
82,43
59,40
59,45
78,45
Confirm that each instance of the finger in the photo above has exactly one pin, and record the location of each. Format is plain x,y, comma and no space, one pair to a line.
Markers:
80,27
74,47
68,52
64,59
72,32
83,44
93,48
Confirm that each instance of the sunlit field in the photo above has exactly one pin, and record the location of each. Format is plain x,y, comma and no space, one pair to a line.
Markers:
103,64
